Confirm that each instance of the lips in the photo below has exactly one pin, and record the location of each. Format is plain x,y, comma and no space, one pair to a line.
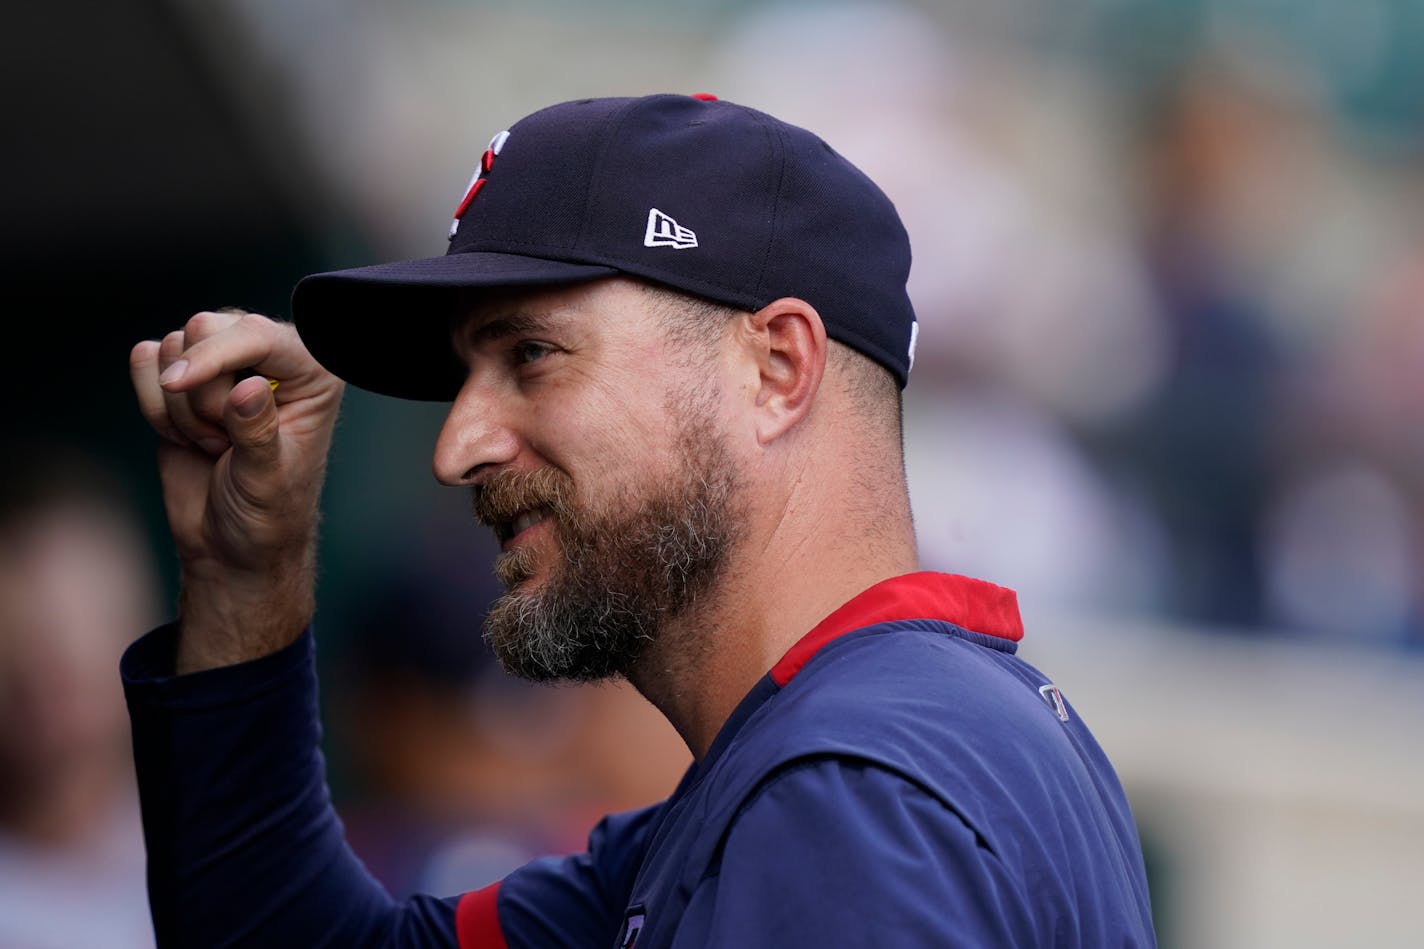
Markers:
511,503
507,530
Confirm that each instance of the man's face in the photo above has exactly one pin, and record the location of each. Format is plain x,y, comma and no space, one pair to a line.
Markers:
595,451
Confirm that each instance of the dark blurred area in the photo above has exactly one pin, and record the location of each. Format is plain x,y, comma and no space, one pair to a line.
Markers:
133,196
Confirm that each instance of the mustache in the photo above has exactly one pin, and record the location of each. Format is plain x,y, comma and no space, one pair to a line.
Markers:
509,493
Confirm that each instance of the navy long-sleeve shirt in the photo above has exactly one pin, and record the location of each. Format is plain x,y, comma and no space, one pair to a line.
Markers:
900,778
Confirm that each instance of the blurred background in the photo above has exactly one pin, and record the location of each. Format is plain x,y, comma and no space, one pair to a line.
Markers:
1170,386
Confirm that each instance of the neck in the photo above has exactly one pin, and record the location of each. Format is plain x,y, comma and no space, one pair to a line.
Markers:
778,587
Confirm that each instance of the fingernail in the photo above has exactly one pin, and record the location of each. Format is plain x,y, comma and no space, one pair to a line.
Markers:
251,406
173,373
213,446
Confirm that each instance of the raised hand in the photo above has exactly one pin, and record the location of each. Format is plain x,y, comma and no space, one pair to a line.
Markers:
242,464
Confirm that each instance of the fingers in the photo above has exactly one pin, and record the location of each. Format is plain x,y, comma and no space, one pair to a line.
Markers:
184,381
250,341
207,400
181,408
250,416
143,370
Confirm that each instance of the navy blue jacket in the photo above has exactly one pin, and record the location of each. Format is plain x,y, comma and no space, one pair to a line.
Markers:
900,778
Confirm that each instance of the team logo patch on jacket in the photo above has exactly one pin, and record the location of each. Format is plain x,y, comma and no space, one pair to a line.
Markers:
1054,697
632,927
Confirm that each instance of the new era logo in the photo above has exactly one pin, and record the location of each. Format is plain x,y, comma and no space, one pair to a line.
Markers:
663,231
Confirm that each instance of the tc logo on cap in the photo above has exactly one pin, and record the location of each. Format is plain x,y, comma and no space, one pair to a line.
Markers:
663,231
477,180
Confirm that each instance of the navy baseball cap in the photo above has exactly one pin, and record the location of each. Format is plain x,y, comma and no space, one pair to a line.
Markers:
701,195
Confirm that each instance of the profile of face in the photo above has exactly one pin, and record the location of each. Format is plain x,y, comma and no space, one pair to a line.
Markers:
592,442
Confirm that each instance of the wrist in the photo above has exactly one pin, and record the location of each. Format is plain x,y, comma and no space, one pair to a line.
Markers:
232,616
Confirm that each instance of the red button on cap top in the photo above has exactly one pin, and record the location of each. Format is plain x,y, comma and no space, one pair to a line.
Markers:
704,96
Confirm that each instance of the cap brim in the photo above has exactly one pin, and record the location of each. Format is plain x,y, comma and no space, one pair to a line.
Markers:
386,328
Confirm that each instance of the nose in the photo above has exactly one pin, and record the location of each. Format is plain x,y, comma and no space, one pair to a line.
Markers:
473,439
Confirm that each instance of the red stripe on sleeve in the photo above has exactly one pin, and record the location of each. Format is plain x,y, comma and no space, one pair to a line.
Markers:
477,920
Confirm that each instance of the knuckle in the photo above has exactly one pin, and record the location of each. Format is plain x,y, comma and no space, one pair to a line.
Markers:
255,322
171,347
264,432
202,324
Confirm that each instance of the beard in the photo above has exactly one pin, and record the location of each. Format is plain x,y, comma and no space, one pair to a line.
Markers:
627,568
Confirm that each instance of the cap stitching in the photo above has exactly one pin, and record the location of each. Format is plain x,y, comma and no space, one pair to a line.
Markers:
778,144
609,129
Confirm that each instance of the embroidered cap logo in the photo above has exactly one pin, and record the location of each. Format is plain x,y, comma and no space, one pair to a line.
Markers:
663,231
478,179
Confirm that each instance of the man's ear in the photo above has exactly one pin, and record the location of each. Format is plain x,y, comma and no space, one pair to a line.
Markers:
787,342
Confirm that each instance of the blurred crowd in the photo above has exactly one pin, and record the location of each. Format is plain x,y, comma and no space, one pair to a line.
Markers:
76,583
1172,333
1211,378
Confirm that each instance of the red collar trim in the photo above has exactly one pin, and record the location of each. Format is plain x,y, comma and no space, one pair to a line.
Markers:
970,604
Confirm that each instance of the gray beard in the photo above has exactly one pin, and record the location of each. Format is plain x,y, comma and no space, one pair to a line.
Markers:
625,574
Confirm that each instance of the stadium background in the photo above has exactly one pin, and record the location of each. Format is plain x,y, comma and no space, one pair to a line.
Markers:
1170,277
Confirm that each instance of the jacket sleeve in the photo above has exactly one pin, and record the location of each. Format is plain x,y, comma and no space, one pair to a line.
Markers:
836,851
244,848
574,901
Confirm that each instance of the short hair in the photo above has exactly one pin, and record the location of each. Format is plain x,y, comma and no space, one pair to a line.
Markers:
692,322
697,324
871,387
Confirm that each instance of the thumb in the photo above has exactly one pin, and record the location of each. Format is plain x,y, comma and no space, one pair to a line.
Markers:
250,417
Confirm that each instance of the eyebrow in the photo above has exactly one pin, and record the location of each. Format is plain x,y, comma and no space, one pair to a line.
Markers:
505,325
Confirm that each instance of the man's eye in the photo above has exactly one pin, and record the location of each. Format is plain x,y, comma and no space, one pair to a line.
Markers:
528,352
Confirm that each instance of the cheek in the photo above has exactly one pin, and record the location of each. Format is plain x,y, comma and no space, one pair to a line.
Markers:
606,427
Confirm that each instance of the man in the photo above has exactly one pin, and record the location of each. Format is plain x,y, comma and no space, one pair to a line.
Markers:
673,331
